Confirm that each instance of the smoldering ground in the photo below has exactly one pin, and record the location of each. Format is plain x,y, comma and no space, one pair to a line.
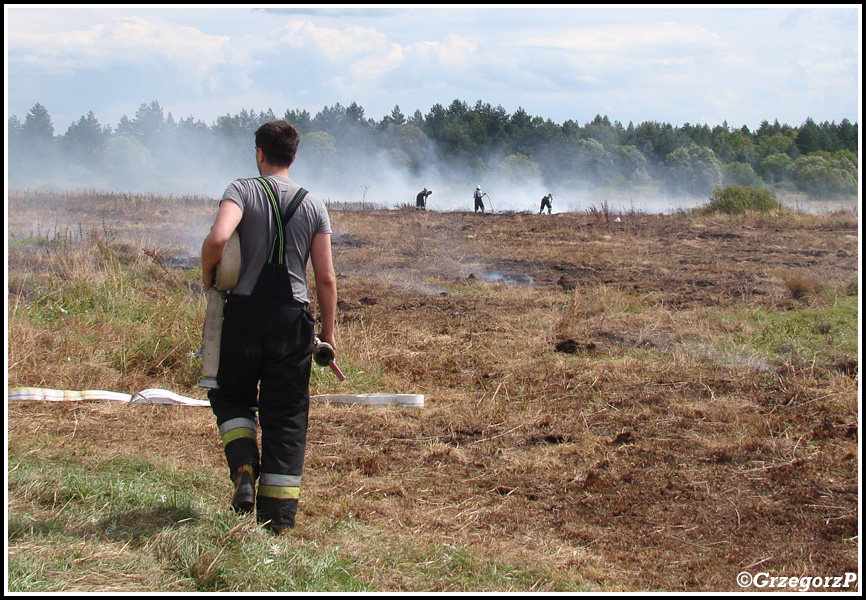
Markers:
607,428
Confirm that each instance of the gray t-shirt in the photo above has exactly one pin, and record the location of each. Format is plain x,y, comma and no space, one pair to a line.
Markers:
258,228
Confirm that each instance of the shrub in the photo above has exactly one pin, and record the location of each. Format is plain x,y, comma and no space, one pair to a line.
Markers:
736,199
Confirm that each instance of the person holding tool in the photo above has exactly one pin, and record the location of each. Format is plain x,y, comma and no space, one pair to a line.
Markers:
478,195
267,337
421,199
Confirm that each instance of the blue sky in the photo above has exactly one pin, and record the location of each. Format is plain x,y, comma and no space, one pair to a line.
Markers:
678,65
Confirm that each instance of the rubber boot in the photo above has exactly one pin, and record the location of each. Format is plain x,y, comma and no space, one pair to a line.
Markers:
275,514
244,499
277,531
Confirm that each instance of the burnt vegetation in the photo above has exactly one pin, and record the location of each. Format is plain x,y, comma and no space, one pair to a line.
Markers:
658,403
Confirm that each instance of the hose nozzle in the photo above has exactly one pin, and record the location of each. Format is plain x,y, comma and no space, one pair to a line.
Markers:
323,355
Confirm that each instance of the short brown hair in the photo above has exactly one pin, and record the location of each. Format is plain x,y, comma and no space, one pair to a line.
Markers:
279,142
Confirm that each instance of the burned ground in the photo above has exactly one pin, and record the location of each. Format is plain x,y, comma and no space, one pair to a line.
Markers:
677,472
584,408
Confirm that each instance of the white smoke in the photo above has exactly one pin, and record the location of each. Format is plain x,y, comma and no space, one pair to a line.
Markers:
363,174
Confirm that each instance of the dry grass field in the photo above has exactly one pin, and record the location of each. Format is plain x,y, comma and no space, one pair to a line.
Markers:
658,404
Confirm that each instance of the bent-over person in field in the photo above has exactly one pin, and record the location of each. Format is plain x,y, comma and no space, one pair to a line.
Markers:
547,201
421,198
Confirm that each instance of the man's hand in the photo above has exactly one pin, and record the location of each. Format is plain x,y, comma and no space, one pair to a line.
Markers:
328,339
207,278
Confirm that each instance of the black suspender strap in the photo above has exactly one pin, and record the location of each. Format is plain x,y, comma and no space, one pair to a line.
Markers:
278,247
294,204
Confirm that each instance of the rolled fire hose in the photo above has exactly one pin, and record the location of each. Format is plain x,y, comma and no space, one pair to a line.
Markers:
228,271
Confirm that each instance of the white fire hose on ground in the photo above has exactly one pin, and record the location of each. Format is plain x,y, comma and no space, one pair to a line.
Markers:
226,278
158,396
151,396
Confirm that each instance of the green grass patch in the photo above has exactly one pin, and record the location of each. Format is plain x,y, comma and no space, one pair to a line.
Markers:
132,524
358,380
128,519
825,336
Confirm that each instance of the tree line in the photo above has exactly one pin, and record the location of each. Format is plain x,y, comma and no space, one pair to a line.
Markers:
819,159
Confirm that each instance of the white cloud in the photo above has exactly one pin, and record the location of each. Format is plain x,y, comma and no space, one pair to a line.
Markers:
360,63
627,40
454,51
337,45
366,54
371,69
668,64
130,41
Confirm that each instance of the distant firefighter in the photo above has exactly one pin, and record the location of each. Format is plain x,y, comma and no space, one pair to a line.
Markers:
548,202
479,203
421,198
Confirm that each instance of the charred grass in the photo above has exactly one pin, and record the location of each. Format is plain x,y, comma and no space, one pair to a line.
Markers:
652,405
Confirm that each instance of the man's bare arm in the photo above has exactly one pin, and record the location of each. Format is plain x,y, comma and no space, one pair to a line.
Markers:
326,285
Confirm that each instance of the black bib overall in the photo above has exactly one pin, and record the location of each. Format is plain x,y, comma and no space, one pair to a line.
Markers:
264,376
